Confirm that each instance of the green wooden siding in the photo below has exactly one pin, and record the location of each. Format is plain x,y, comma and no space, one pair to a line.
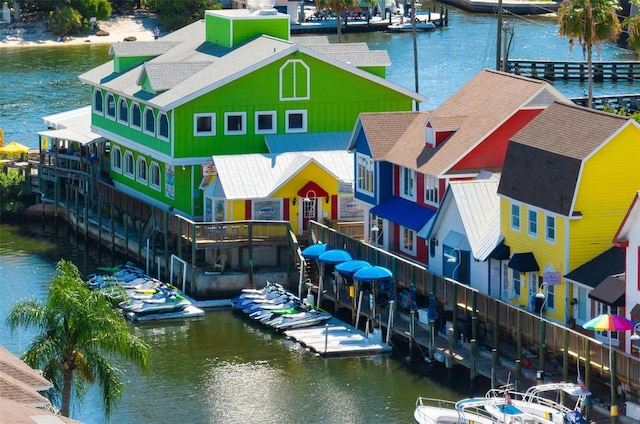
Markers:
123,64
126,131
260,92
218,30
245,29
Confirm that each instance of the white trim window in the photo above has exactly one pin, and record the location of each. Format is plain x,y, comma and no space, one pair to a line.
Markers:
408,183
516,283
129,165
123,111
116,159
136,116
551,298
204,124
98,102
141,170
155,175
408,241
111,106
431,190
296,121
532,222
266,122
365,174
515,217
235,123
295,80
163,126
550,229
149,121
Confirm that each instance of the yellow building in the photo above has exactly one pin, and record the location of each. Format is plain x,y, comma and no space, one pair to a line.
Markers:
565,186
292,186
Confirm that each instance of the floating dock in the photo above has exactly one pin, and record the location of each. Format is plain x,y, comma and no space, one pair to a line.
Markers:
338,339
189,312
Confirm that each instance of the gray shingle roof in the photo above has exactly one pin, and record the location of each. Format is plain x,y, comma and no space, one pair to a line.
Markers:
552,148
186,66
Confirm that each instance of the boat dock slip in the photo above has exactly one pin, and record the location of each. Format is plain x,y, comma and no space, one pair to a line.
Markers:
552,70
338,339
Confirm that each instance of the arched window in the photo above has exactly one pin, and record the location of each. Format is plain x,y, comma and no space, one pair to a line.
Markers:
123,111
136,116
154,173
111,106
295,80
128,164
163,126
149,121
116,159
141,174
98,106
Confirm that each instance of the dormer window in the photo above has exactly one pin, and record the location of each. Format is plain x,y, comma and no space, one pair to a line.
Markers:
429,135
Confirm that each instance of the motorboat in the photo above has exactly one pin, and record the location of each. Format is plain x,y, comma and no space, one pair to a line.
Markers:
144,307
472,411
560,402
404,26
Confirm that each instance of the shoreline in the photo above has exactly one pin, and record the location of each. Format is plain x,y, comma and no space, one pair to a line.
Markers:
139,25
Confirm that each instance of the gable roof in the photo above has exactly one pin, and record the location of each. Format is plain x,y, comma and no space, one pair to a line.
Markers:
196,66
553,148
269,172
479,208
12,366
631,220
475,111
596,270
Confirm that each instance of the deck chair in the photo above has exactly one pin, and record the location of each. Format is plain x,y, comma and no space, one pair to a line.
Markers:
220,263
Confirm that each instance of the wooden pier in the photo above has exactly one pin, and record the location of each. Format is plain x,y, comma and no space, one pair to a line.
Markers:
550,70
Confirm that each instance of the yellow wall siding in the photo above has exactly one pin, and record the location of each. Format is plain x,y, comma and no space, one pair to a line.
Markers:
609,181
547,254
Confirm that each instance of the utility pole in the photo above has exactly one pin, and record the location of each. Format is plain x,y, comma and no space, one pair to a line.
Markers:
506,29
499,32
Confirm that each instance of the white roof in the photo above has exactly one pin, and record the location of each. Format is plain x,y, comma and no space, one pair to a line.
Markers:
479,207
258,176
73,125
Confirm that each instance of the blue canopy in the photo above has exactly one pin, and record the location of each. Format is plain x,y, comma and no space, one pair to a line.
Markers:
372,273
315,250
350,267
335,256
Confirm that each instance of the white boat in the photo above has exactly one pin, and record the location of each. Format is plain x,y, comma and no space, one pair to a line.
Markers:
408,27
472,411
558,402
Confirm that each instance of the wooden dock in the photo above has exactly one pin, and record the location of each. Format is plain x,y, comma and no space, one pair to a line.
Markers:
550,70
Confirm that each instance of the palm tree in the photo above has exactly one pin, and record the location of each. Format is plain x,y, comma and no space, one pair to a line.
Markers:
337,7
80,332
589,22
633,28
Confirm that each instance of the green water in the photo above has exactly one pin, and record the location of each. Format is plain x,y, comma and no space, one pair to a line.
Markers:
222,368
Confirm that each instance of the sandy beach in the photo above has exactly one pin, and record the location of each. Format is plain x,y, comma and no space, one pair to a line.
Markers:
119,27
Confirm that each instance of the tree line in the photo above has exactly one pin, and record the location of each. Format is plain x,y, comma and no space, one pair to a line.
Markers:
73,17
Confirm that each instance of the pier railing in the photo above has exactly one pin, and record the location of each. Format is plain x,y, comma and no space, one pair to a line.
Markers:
552,70
531,334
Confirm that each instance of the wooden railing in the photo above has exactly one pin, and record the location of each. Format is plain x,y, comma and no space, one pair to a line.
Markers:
513,321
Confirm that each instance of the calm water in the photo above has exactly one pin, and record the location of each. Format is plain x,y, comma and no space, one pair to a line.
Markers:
221,369
37,82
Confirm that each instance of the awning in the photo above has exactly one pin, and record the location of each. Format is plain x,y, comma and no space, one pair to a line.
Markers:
455,240
403,212
610,292
524,262
501,252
